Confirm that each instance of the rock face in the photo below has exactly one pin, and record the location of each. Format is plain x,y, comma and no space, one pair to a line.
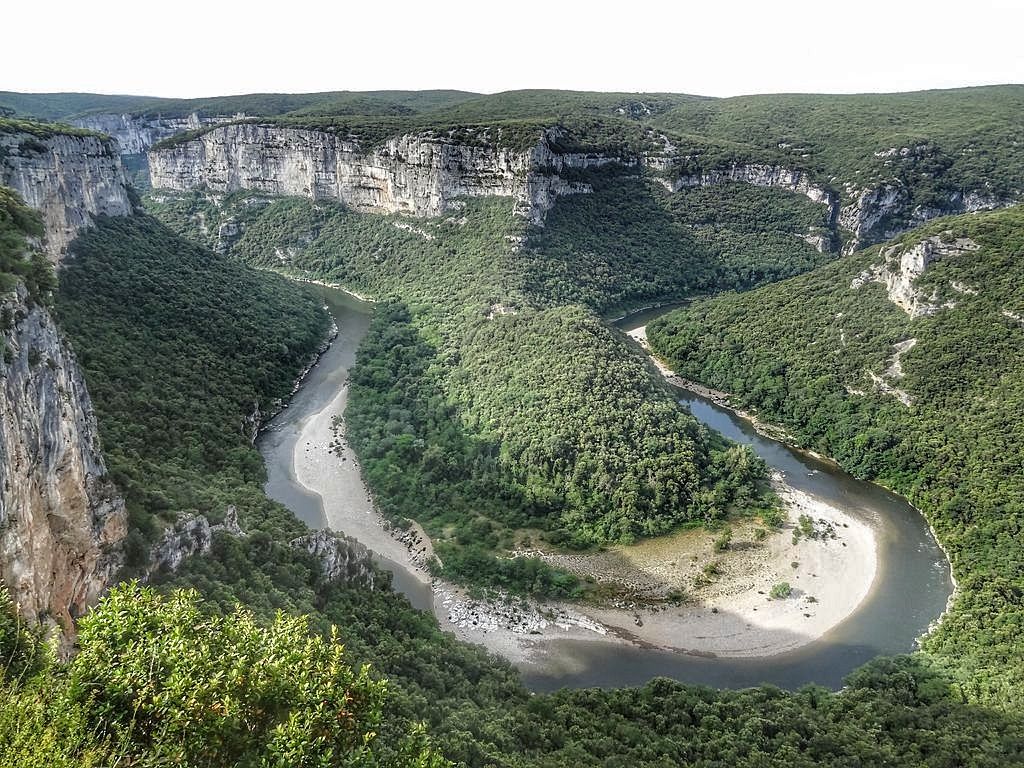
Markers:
901,267
61,519
413,174
341,558
190,535
69,179
135,134
883,212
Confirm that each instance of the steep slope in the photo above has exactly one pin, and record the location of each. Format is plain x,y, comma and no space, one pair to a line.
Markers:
904,363
135,301
896,159
61,519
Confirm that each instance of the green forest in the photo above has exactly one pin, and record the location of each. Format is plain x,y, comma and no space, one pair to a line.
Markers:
488,402
500,421
137,302
801,353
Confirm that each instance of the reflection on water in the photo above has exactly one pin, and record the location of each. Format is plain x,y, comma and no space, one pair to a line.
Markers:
912,584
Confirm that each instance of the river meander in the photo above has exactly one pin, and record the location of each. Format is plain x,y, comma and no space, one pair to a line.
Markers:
911,587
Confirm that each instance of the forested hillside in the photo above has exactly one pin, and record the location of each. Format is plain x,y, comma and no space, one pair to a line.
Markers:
925,397
136,683
137,302
490,401
511,343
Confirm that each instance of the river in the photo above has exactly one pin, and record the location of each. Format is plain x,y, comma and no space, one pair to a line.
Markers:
911,589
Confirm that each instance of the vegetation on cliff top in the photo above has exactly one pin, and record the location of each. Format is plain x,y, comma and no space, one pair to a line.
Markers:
44,130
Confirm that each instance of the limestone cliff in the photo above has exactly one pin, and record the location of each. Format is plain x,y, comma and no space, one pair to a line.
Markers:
416,174
901,267
884,211
69,179
340,558
61,519
189,535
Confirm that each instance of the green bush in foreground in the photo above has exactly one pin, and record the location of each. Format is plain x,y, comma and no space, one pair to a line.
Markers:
157,682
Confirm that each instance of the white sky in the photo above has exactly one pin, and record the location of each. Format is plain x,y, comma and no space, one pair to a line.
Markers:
719,47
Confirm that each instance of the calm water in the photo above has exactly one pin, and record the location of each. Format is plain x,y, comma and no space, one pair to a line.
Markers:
911,589
277,441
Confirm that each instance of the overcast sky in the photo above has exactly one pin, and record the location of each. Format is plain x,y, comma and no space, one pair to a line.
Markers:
186,48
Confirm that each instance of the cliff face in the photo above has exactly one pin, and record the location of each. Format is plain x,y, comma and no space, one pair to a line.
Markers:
60,517
136,134
69,179
414,174
883,212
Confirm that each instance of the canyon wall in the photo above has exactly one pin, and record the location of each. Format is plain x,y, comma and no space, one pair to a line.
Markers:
69,179
61,519
416,174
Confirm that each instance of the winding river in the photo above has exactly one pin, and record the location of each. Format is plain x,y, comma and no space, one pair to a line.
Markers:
911,588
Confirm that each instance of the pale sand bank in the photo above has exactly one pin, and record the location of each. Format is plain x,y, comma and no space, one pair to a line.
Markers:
334,475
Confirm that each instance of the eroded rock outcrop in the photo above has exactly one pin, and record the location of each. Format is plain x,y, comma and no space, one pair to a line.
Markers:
415,174
902,266
341,558
61,519
69,179
190,535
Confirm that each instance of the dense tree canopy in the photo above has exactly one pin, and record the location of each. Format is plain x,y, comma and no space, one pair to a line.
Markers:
803,352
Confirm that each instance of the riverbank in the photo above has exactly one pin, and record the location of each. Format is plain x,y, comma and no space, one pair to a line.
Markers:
673,602
326,466
722,399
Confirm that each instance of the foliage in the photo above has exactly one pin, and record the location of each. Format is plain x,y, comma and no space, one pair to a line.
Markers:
136,302
558,392
899,712
19,261
22,652
64,106
550,465
801,354
157,681
936,145
43,130
630,242
780,591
